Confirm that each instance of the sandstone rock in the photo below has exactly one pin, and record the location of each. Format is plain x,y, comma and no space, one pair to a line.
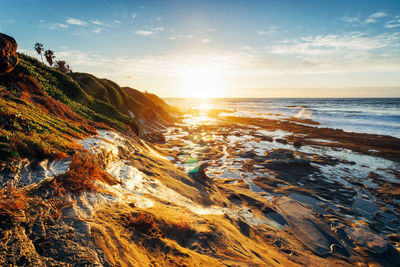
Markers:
364,237
279,154
8,53
314,233
278,164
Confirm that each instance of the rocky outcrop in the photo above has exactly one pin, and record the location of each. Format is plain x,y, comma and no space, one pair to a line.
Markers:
200,175
8,53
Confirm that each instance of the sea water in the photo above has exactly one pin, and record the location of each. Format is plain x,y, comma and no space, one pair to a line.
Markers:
363,115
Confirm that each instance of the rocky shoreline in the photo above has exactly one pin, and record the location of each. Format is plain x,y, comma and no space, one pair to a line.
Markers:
329,188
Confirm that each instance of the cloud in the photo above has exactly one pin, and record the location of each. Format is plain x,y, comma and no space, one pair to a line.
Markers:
99,30
134,15
158,29
205,40
117,21
181,36
373,18
144,33
249,68
348,43
272,30
54,26
394,23
247,48
77,22
351,20
97,22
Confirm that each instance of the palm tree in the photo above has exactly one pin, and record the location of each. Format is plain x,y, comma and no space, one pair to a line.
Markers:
49,55
39,49
62,66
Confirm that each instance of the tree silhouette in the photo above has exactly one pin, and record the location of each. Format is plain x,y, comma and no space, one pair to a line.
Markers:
62,66
39,49
49,55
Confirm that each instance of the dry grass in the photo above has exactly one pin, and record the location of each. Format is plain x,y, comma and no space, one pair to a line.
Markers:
12,200
83,174
182,225
58,201
142,222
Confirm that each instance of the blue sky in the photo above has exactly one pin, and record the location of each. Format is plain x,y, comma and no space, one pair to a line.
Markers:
233,48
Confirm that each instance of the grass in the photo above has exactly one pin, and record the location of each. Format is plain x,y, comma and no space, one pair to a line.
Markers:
26,130
44,111
58,201
64,88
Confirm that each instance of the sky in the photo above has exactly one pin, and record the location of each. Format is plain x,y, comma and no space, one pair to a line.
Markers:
221,48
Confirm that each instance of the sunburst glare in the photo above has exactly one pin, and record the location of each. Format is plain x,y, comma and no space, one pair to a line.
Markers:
203,81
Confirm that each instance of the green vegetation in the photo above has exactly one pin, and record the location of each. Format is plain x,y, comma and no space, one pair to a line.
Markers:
63,88
43,111
62,65
28,131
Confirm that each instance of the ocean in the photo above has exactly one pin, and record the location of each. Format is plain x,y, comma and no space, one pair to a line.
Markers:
362,115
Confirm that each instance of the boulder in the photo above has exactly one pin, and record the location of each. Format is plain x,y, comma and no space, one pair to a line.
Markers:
281,140
298,143
8,53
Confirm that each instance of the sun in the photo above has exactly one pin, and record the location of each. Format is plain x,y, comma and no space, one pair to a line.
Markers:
202,81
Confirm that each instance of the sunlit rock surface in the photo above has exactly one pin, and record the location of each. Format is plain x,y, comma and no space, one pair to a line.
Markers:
8,53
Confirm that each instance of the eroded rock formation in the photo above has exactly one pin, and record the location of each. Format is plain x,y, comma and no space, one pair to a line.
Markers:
8,53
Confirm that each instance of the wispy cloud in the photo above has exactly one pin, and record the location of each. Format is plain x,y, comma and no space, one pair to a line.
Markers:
394,23
335,44
97,22
55,26
158,29
351,20
77,22
134,15
144,32
205,40
377,15
117,21
181,36
98,30
272,30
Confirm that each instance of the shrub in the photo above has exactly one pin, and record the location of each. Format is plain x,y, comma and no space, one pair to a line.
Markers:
12,200
142,222
83,173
